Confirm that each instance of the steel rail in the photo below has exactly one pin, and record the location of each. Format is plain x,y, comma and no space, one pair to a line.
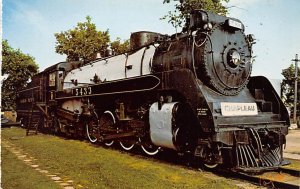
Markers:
260,181
269,183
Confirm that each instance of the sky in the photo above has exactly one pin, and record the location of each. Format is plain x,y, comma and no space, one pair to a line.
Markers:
30,26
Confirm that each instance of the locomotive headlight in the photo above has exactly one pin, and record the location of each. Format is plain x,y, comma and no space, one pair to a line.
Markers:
207,26
234,58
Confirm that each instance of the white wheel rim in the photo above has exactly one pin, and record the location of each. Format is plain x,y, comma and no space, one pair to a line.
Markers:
150,153
88,134
147,152
111,114
109,143
125,147
212,166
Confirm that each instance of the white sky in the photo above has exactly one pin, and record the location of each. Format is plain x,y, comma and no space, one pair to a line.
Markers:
30,25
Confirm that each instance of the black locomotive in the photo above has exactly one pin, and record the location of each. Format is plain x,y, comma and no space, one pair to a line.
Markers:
190,92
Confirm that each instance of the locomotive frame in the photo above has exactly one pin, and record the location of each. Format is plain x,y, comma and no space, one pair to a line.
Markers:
190,92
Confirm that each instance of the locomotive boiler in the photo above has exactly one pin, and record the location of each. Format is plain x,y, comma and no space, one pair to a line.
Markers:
190,92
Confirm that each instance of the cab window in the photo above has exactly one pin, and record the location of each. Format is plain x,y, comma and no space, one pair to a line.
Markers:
52,79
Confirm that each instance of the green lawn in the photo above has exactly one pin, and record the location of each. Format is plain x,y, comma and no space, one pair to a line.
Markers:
97,167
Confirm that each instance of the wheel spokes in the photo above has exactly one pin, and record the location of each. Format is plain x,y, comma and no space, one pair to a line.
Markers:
92,127
107,121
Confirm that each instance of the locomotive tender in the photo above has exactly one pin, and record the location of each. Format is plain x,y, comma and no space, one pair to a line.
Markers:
190,92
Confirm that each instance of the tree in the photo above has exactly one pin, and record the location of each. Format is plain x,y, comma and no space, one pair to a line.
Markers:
288,86
83,42
19,67
118,47
182,10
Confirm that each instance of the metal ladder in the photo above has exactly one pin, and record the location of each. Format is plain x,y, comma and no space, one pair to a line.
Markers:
33,121
38,114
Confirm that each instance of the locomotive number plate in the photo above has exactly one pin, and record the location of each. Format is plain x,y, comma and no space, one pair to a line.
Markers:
238,109
82,91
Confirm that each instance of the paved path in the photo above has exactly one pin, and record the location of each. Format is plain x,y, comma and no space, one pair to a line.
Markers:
30,161
292,149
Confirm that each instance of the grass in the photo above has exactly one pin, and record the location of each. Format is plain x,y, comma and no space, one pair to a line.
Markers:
97,167
16,174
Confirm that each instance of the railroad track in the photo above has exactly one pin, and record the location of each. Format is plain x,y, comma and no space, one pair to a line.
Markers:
282,178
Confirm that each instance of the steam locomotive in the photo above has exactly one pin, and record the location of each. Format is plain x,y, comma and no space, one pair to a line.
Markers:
190,92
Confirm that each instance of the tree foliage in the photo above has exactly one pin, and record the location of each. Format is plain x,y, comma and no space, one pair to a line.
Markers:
83,42
288,86
119,47
182,10
19,67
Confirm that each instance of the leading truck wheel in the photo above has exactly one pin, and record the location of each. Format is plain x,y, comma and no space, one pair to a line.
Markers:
149,148
210,163
107,120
